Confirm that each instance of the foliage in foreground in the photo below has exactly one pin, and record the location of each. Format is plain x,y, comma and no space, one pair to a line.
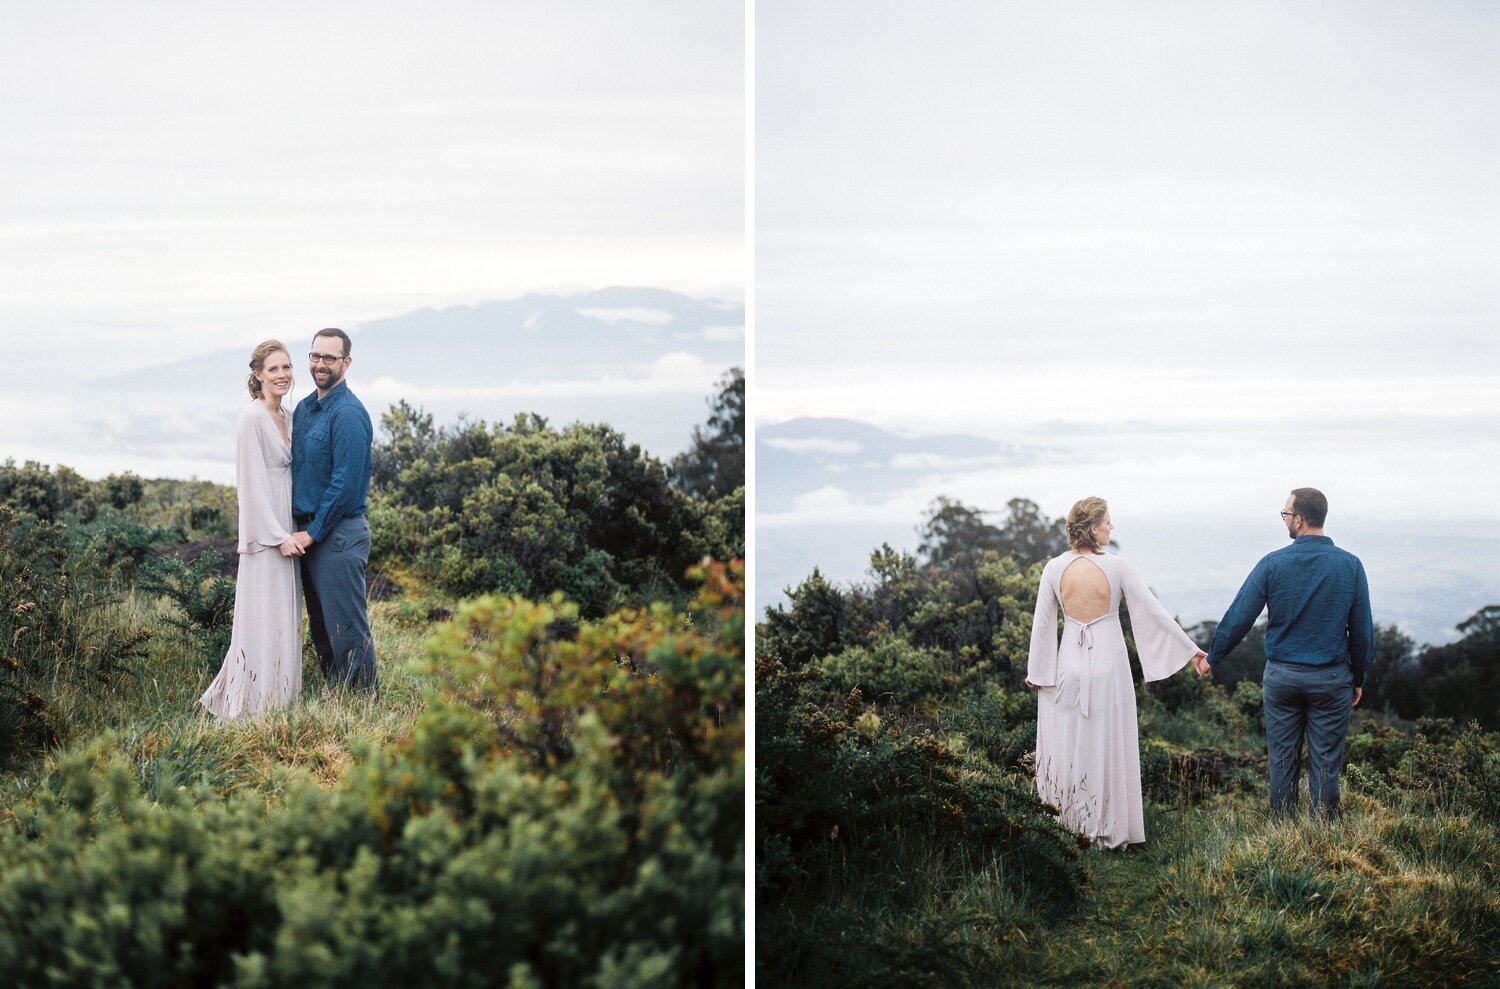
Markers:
567,811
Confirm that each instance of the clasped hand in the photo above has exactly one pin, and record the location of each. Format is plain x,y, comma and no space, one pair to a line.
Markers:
1200,664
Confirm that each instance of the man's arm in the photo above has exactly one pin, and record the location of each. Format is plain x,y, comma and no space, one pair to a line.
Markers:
351,447
1361,633
1243,611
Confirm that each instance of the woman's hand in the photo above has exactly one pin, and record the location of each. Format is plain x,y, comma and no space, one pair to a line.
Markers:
1200,664
290,547
1032,686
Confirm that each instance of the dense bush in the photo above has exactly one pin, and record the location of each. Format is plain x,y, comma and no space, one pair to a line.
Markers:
529,510
58,632
843,788
38,490
202,601
979,615
892,673
1458,680
1433,764
118,544
166,508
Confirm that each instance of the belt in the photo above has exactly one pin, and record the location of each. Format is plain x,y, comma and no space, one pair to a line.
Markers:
1311,666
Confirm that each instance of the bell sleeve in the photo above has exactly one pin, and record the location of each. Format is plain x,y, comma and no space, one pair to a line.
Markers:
259,528
1041,662
1163,646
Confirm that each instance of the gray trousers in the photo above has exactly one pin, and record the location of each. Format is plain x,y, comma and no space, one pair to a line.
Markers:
1315,701
333,581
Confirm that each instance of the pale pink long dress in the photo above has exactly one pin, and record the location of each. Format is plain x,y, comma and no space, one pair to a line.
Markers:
1088,758
263,668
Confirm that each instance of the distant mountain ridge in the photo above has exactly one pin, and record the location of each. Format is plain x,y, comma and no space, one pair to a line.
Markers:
505,339
643,360
799,455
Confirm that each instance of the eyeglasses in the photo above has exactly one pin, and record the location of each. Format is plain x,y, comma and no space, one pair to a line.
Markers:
326,358
1289,515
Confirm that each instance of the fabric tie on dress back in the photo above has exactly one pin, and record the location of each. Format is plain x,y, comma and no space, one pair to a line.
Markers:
1086,642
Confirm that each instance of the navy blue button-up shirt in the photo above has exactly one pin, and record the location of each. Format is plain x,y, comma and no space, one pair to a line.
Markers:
1318,607
332,438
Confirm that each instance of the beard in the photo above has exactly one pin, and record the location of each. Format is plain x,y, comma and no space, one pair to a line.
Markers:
326,377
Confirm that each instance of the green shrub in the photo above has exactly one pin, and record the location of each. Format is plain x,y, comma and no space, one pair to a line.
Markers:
117,545
40,491
892,672
530,510
604,847
841,791
58,633
1000,725
1450,771
203,601
1174,776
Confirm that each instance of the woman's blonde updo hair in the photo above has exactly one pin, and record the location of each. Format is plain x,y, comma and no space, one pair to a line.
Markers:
258,362
1082,517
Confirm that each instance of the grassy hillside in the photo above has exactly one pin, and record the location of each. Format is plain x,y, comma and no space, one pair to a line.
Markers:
548,792
900,841
534,798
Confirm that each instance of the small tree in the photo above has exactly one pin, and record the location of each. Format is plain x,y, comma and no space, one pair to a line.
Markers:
714,465
955,536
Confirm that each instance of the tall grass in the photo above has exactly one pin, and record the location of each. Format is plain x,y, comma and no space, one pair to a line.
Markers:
1222,895
152,717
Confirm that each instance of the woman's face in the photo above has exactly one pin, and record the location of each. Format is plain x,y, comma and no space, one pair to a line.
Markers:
275,375
1102,530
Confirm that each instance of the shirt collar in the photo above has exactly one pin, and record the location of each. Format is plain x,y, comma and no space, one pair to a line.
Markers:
337,392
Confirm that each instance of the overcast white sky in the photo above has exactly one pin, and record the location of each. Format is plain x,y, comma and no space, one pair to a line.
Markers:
1205,251
178,176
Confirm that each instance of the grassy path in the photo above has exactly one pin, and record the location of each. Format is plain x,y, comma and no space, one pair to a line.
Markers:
1223,896
1106,943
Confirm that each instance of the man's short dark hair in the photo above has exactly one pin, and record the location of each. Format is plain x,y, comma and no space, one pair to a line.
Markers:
334,331
1311,505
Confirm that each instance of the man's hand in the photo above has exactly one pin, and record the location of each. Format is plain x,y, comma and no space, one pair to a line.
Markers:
303,541
1200,664
1358,693
290,547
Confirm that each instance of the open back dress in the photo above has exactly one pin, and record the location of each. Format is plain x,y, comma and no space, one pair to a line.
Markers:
1088,760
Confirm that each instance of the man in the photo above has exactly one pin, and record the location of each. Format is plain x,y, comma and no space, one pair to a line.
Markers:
332,439
1319,644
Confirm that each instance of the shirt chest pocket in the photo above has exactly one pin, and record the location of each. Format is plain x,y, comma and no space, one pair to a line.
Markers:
313,436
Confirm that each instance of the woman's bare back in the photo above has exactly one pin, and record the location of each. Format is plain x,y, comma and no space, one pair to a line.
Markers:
1085,591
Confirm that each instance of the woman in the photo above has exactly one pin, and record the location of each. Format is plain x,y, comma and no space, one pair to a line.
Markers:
263,668
1088,760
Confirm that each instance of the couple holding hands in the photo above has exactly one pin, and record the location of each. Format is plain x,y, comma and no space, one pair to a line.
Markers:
302,481
1319,645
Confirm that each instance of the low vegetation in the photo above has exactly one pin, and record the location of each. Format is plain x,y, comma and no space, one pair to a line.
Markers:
548,791
900,841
